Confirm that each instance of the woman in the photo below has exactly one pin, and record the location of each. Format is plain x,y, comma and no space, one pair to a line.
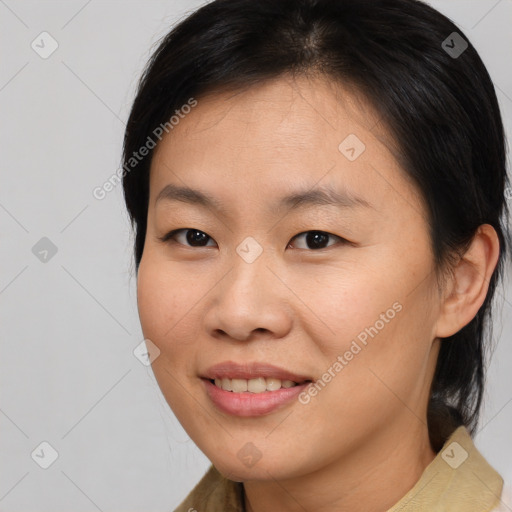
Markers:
317,191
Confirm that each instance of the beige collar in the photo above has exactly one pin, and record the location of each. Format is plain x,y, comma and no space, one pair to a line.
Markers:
459,479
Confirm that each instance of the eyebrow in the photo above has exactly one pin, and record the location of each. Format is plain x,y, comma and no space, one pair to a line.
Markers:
296,200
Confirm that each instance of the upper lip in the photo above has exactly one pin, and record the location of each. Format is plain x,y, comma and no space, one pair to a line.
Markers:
251,370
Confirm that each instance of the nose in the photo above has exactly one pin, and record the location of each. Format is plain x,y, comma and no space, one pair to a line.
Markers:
249,302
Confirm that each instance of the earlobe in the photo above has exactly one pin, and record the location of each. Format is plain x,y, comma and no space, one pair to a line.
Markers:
469,282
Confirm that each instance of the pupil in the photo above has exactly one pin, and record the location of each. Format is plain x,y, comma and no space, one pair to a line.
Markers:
196,236
316,238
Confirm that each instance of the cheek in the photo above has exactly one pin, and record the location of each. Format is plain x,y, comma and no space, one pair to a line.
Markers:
345,305
153,300
373,322
165,304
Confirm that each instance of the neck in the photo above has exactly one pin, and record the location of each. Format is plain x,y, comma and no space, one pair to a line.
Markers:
372,478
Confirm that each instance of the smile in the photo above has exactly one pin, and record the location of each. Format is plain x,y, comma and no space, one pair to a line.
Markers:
258,385
252,388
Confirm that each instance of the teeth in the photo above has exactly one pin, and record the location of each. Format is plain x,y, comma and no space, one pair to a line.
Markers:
238,385
258,385
273,384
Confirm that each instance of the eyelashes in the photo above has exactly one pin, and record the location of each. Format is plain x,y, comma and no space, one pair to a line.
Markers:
196,236
190,237
316,238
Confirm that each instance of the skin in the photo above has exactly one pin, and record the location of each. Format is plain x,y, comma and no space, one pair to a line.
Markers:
362,442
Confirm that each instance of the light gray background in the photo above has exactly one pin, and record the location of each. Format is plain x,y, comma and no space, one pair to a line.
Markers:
69,326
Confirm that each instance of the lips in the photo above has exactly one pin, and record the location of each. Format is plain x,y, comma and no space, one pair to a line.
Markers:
252,389
248,371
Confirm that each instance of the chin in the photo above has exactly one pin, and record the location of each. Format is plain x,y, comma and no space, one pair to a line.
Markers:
264,470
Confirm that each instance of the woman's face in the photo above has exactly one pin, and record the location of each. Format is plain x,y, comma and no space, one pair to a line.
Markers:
335,291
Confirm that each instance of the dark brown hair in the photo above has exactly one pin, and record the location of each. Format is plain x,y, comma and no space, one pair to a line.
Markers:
440,107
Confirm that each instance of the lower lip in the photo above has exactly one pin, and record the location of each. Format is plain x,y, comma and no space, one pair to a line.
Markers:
251,404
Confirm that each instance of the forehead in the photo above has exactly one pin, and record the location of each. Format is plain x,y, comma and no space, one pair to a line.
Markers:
283,112
284,134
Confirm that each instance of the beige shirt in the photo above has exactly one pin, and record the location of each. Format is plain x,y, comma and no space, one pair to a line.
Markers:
459,479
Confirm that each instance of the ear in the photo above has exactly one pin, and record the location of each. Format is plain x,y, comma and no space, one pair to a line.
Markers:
467,286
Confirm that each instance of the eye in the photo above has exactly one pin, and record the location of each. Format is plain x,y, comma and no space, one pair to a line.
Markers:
191,237
316,239
185,236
